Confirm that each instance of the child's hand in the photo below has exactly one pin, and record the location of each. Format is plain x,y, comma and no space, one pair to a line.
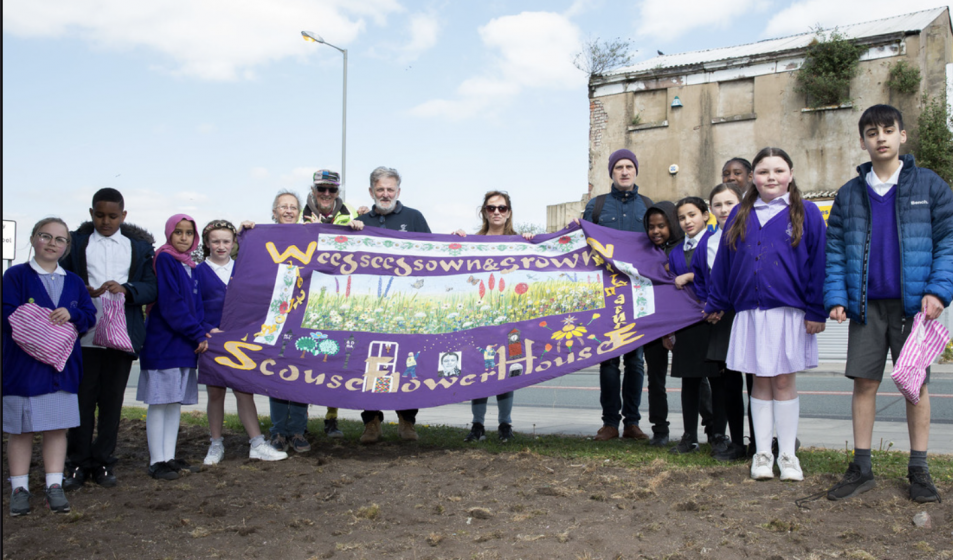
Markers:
813,327
356,225
215,330
714,316
113,287
459,233
529,236
838,314
203,346
931,307
59,316
668,342
94,292
247,224
683,279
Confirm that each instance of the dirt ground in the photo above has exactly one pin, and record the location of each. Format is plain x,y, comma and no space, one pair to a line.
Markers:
400,500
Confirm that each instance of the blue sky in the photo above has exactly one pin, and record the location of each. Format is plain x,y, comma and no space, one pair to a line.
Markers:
209,107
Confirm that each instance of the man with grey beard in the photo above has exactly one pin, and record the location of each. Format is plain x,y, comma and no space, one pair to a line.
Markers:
389,213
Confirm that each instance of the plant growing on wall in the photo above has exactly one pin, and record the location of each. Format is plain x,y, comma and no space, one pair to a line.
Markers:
934,147
598,56
637,119
831,62
904,78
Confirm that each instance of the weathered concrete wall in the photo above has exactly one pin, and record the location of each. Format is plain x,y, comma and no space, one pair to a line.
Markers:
721,120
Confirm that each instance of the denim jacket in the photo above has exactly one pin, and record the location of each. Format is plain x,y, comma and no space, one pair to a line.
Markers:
623,210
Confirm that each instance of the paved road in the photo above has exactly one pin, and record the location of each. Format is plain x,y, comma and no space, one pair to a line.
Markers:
570,405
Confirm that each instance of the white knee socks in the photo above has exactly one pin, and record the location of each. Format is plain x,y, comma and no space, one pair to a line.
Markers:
762,416
162,431
786,416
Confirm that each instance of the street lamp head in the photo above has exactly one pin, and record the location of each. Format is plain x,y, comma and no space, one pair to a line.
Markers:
312,37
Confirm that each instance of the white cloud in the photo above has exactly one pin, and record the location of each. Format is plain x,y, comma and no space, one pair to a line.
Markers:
206,128
259,172
665,21
424,29
299,176
532,49
801,16
208,39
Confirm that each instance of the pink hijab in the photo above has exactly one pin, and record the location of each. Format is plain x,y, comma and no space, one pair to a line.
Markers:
185,258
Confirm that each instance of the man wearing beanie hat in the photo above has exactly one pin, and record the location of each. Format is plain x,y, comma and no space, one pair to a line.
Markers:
623,208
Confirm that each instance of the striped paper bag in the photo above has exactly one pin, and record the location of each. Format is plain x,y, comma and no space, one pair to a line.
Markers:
32,330
927,339
111,331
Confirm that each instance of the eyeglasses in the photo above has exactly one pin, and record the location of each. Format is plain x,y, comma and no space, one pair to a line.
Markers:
47,238
503,209
287,208
325,188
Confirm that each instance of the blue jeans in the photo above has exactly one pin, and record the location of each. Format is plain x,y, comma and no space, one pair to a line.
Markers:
504,405
288,418
631,389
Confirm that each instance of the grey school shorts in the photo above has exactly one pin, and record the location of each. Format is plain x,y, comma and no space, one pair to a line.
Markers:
867,345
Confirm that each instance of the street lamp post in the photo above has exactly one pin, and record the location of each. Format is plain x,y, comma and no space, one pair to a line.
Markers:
312,37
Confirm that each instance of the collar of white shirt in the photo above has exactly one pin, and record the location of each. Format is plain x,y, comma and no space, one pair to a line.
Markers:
39,269
784,199
227,268
691,242
882,187
97,237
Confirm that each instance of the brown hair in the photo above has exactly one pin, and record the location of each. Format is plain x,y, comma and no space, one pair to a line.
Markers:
216,225
508,226
722,187
52,220
738,227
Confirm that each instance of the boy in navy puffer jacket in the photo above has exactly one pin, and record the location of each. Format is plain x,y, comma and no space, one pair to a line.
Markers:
889,256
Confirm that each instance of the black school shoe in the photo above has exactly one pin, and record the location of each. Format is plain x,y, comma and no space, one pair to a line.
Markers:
477,433
733,452
686,445
74,478
103,476
719,444
162,471
506,433
922,489
659,440
179,465
854,482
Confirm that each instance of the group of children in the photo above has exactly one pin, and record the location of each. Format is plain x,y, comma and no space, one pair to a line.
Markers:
770,274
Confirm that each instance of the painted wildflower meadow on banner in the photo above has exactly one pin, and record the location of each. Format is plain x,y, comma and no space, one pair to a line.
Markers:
387,320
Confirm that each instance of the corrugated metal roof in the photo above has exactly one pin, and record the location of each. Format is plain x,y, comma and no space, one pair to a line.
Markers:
914,22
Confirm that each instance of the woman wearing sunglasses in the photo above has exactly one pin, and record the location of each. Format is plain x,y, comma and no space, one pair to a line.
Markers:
497,214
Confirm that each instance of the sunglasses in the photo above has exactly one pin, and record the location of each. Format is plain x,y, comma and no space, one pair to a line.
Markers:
502,209
326,189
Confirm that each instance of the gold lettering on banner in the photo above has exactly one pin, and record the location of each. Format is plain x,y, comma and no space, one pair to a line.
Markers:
264,370
235,347
619,338
292,376
291,252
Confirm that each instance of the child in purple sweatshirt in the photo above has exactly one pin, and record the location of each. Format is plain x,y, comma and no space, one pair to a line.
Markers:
770,271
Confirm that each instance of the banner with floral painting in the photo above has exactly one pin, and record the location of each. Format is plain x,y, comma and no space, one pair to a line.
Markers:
386,320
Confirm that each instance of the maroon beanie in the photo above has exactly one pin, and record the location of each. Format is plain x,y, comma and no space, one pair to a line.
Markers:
622,154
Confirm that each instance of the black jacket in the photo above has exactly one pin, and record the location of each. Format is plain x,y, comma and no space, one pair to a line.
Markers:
141,288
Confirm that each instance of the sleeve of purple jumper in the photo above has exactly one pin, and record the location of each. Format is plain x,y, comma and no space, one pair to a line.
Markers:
173,304
816,238
719,288
700,268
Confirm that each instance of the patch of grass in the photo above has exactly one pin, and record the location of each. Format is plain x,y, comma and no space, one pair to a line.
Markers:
371,512
594,455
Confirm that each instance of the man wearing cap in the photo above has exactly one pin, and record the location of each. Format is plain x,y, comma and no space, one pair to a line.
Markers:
325,206
389,213
623,208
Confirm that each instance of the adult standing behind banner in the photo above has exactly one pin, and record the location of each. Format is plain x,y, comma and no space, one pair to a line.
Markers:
389,213
623,208
289,419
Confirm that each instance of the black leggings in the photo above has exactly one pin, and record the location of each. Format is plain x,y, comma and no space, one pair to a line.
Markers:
691,405
727,390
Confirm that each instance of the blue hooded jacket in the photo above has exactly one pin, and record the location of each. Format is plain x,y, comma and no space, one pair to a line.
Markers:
925,221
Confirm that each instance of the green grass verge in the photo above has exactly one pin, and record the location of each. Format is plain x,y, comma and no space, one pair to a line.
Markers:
888,464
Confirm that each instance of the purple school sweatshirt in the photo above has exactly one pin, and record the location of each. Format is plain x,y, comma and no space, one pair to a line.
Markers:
883,276
765,272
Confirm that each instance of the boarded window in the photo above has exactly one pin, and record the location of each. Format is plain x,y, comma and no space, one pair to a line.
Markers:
650,106
735,98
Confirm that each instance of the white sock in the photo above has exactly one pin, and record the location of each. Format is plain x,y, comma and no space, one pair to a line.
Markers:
257,440
173,414
762,416
786,416
20,482
217,441
54,478
155,427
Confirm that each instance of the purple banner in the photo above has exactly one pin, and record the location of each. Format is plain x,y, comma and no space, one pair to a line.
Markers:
385,320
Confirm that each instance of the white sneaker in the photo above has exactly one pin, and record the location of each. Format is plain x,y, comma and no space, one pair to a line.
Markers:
265,452
762,466
790,467
215,453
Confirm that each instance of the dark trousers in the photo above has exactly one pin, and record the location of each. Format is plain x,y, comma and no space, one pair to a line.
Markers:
728,389
705,406
409,415
105,374
612,384
656,369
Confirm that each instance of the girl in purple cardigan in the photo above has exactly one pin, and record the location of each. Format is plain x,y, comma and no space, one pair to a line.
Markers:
175,335
770,271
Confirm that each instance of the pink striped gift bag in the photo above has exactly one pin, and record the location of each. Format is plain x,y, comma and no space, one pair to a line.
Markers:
927,339
32,330
111,331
